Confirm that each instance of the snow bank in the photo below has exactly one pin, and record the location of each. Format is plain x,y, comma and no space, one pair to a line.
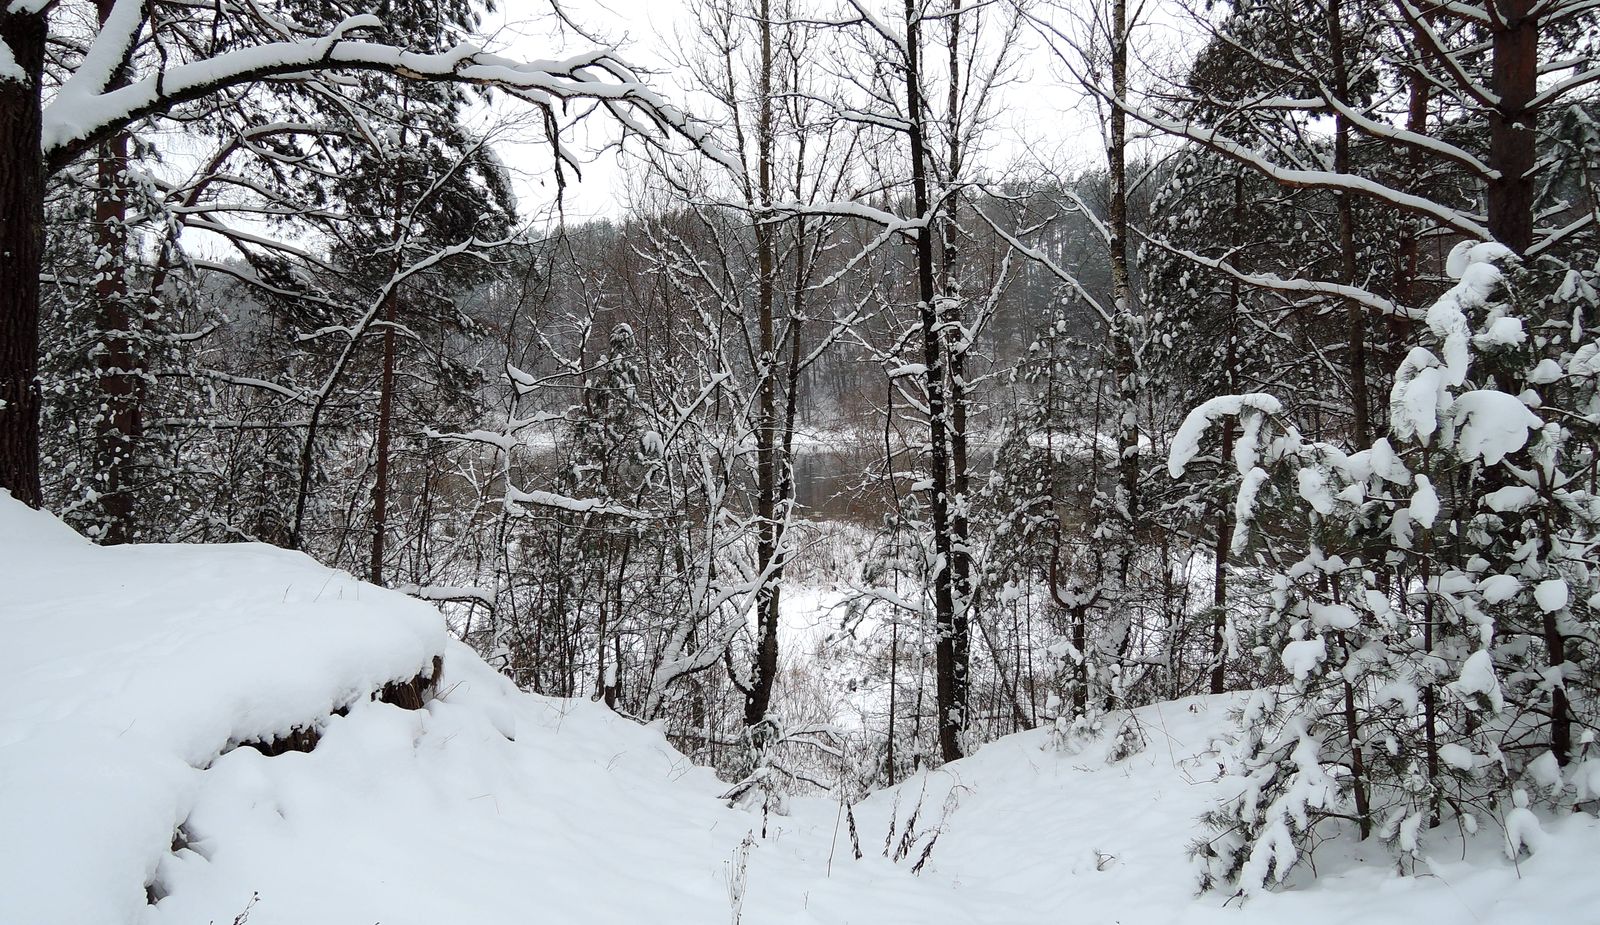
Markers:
132,669
1038,834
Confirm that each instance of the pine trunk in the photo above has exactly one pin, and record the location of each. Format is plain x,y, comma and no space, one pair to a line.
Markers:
22,176
1355,316
1512,151
118,364
380,471
1219,590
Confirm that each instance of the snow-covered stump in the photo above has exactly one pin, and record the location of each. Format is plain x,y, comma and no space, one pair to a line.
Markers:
411,694
415,693
141,672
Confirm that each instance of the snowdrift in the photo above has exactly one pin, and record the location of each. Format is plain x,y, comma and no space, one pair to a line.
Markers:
135,677
134,673
1078,835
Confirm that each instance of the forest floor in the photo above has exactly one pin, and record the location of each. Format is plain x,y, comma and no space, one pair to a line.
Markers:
132,672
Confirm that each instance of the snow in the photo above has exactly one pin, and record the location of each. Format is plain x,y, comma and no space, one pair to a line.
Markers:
1585,361
1335,616
450,593
1498,589
1585,777
1478,677
1467,253
1302,656
1244,507
1314,489
1319,179
1415,398
516,496
1425,502
1551,595
85,104
1457,756
1448,320
1523,831
9,68
133,669
1546,372
1379,460
1249,408
1510,498
1504,331
1491,425
1545,771
1039,835
128,680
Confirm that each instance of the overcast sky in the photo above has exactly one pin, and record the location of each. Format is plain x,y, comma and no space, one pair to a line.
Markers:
1039,118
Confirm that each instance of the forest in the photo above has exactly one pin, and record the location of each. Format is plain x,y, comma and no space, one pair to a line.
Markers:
857,435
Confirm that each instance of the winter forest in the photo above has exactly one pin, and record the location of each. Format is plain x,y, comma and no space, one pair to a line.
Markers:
824,461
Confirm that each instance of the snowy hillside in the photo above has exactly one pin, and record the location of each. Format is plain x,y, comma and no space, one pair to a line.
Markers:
133,673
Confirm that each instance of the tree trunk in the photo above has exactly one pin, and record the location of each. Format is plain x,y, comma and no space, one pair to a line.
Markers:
1219,590
1511,123
1358,770
1355,315
380,471
949,703
765,670
119,365
1560,705
956,344
1408,249
1512,152
21,256
1123,334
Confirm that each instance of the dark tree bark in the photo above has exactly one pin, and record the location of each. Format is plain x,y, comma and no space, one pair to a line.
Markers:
1355,314
119,364
391,311
949,683
955,335
1219,590
22,178
380,471
1512,151
759,697
1124,330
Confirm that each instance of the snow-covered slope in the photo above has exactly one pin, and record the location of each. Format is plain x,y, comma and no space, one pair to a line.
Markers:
130,672
1069,836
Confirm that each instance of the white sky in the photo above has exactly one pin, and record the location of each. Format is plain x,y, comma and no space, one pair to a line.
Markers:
1039,119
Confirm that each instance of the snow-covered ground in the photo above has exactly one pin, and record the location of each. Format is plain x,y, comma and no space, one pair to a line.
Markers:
131,672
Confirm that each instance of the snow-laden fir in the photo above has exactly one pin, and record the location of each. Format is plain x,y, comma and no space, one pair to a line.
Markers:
134,673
